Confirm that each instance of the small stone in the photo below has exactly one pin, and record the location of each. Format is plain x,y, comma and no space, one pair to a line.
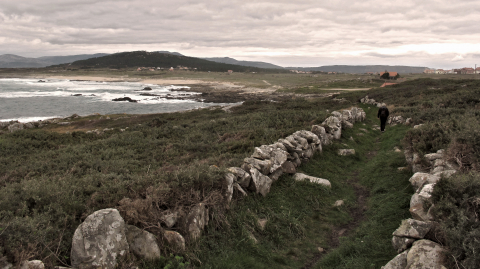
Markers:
338,203
175,240
252,237
262,223
35,264
321,250
345,152
321,181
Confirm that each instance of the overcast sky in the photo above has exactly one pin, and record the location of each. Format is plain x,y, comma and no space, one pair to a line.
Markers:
433,33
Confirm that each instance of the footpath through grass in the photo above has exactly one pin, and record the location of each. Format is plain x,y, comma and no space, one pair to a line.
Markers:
301,216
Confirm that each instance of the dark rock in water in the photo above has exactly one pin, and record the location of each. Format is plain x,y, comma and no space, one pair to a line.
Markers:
77,94
125,99
149,94
144,89
41,81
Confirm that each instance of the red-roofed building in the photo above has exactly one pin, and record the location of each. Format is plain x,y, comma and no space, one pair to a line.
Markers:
391,75
429,71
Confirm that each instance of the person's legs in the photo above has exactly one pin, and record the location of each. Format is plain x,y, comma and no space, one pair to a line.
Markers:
383,121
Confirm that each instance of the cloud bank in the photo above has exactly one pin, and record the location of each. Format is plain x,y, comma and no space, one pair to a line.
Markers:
435,33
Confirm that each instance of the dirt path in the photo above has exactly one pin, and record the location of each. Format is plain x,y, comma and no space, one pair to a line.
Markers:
357,214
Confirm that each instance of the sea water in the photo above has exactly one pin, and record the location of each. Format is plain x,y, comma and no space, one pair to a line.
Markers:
28,100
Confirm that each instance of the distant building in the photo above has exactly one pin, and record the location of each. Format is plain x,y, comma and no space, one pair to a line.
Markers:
230,71
391,75
440,71
429,71
468,70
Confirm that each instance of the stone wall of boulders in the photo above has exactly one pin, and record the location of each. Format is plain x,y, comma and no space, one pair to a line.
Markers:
419,240
103,236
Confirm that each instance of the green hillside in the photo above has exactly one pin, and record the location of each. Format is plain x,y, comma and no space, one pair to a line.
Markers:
163,60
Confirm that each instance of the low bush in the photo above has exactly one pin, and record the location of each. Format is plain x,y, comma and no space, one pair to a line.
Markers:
457,206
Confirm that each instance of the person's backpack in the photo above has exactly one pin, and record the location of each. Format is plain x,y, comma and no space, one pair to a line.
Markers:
383,112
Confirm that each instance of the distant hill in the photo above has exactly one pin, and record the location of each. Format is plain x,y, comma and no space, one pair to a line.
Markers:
360,69
15,61
162,60
228,60
169,52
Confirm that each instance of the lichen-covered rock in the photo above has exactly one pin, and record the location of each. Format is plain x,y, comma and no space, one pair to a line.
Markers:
321,181
263,166
242,177
419,179
229,180
260,183
29,125
433,156
399,262
395,120
302,142
35,264
310,136
347,125
445,173
16,127
175,241
288,167
321,134
333,127
345,152
413,229
169,218
196,221
400,244
99,240
425,254
142,243
417,208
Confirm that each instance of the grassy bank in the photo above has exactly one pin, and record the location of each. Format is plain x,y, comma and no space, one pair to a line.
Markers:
50,180
301,216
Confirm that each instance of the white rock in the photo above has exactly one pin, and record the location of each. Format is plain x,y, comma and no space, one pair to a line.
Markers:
321,181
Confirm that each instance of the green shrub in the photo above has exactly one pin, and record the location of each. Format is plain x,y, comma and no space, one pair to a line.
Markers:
457,207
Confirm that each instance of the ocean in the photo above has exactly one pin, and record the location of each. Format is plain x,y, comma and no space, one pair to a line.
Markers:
29,100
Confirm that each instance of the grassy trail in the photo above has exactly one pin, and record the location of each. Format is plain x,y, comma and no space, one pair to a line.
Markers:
304,229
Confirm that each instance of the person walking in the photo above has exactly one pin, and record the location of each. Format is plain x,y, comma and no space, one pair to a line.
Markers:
383,116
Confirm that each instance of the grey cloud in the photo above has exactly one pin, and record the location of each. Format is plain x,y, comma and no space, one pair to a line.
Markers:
310,27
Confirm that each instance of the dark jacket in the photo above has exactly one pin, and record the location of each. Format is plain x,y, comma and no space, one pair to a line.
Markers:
383,112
